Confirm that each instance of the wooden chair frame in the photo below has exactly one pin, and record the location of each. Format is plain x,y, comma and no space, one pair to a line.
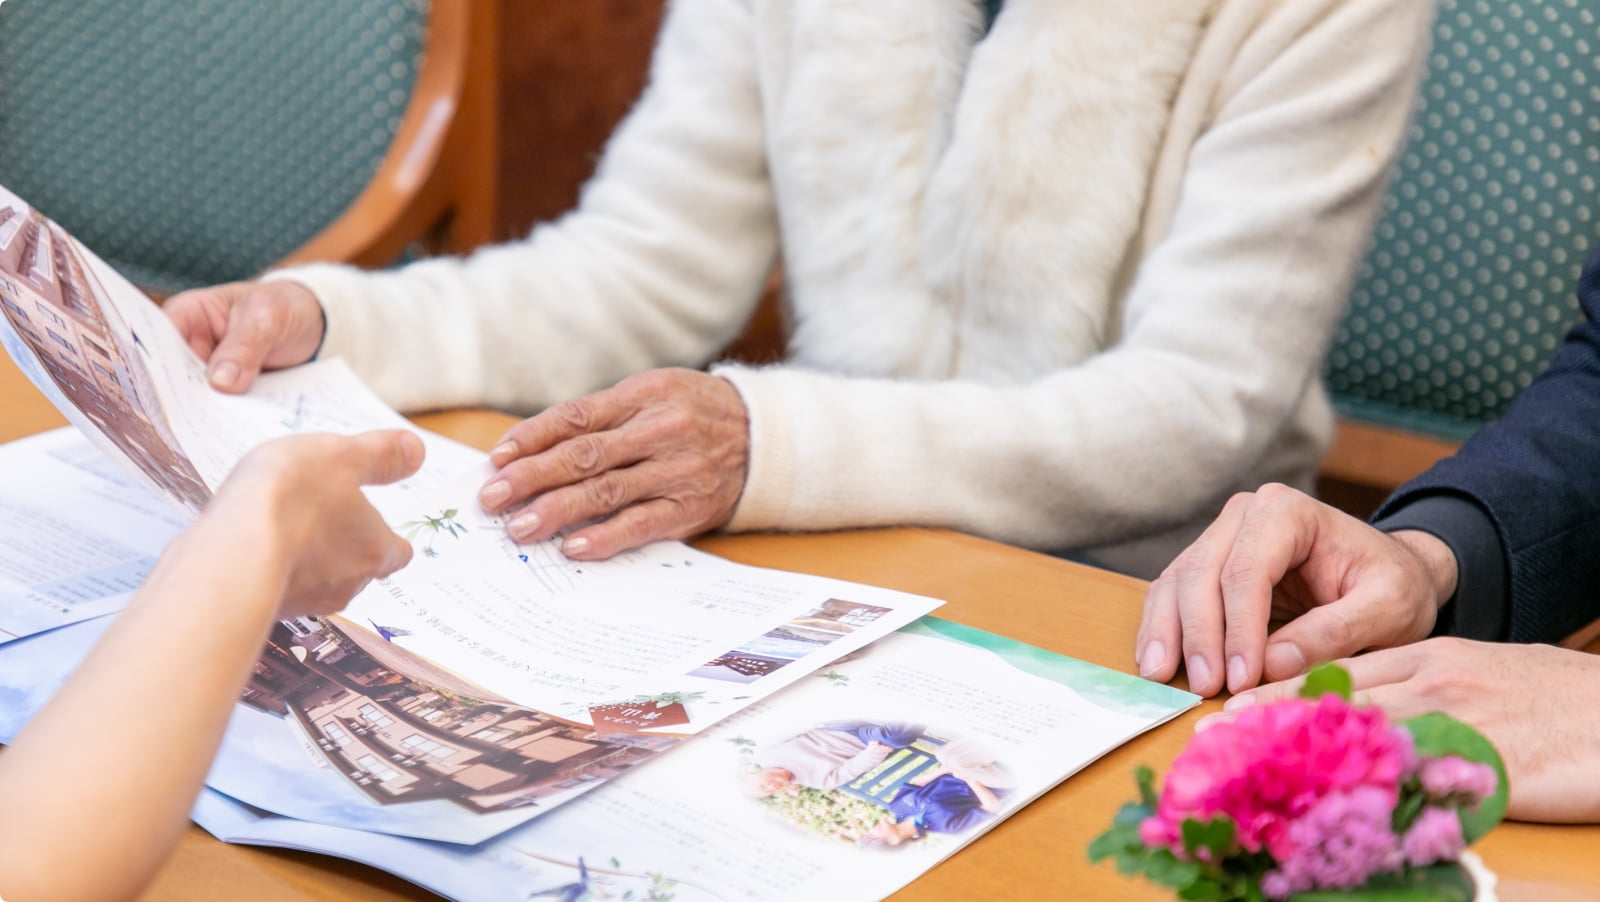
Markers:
437,182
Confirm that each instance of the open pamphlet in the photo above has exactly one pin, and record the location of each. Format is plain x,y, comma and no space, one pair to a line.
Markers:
486,721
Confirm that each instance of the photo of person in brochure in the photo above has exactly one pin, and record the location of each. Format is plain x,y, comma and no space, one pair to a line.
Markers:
52,299
877,784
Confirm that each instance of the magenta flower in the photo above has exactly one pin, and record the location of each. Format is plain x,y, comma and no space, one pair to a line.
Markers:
1435,836
1455,779
1344,839
1272,764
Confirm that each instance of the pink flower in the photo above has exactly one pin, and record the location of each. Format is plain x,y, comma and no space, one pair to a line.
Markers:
1343,840
1272,764
1457,780
1435,836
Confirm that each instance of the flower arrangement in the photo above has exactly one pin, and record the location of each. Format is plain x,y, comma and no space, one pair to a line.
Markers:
1311,799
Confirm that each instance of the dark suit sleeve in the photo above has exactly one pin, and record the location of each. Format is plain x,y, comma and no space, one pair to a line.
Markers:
1534,476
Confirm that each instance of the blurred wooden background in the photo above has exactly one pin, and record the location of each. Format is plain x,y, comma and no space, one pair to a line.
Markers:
569,71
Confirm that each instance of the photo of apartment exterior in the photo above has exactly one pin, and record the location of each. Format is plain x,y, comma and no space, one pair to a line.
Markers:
51,297
403,730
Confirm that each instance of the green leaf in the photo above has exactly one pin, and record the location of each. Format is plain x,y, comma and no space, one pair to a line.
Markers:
1438,883
1216,837
1167,869
1147,786
449,513
1328,678
1437,734
1405,813
1110,843
1203,889
1132,814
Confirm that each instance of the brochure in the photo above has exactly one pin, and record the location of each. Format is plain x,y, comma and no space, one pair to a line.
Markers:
482,686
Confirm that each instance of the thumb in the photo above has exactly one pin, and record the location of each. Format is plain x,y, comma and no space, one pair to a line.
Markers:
1353,623
193,313
385,456
256,324
396,556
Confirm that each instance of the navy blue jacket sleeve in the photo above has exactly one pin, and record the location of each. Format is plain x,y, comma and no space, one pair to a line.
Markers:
1535,475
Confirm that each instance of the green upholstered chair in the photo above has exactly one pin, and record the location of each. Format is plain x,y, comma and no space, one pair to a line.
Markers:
1468,287
198,141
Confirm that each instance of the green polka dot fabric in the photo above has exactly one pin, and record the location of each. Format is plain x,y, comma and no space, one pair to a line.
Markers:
198,141
1468,287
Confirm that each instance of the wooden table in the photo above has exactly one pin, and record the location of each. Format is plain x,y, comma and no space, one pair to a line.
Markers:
1037,853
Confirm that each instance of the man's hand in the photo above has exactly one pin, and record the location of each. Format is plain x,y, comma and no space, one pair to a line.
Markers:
301,495
1278,555
1539,705
662,455
242,328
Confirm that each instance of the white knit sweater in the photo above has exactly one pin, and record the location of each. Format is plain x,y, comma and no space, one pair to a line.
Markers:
1067,286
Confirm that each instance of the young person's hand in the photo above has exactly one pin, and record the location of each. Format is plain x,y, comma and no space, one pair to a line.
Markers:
242,328
1539,705
1278,555
301,496
662,455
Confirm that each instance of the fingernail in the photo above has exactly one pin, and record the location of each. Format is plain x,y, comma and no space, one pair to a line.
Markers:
225,374
1284,660
574,545
524,524
1239,702
504,451
1211,720
495,494
1237,673
1155,654
1199,672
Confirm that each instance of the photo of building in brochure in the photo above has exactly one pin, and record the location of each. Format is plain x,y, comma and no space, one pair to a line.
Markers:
51,297
403,729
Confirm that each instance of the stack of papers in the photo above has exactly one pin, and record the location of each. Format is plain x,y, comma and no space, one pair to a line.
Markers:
497,721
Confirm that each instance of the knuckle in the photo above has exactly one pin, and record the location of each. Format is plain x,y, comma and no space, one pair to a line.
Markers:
585,454
1277,493
1340,633
1240,500
1189,569
607,493
577,414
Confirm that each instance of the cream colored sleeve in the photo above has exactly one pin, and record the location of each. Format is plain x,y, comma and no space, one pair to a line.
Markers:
1222,332
661,263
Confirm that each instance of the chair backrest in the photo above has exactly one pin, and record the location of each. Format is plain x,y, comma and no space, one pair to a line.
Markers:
1468,288
198,141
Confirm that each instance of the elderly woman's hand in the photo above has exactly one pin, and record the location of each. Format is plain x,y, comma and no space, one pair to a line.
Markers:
662,455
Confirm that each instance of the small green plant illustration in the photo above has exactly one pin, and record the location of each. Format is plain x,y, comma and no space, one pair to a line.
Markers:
835,677
432,528
661,889
744,744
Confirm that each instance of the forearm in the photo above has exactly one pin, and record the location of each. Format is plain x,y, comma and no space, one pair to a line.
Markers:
107,772
1079,458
